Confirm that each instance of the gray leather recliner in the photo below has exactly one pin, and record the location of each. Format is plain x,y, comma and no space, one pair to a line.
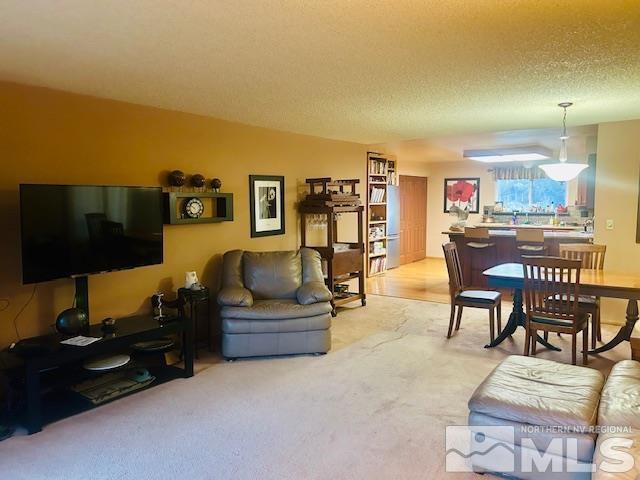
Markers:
274,303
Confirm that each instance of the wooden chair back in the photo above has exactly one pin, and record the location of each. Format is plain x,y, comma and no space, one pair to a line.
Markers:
591,255
476,232
454,268
551,287
529,235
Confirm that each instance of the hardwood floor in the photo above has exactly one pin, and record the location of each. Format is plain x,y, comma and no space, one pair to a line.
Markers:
427,280
422,280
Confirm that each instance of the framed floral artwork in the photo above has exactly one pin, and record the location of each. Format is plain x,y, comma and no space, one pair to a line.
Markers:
266,197
463,193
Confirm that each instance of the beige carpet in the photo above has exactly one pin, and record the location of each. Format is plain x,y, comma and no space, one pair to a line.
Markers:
375,407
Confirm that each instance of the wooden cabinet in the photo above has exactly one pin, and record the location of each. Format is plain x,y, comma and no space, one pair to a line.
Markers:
585,196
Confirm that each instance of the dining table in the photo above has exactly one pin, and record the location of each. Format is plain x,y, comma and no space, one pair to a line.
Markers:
597,283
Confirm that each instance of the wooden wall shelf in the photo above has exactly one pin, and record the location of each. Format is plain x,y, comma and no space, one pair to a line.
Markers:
218,207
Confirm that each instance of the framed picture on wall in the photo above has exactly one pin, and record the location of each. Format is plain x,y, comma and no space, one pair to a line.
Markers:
266,193
463,193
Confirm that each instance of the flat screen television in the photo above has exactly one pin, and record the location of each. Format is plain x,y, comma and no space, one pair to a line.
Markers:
75,230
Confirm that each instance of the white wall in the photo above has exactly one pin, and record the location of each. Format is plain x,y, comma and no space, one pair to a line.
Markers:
437,220
617,178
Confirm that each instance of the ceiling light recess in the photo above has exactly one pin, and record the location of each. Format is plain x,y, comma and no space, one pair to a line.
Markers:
529,153
563,171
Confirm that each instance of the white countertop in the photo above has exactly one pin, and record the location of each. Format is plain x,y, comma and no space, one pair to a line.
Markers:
547,234
529,225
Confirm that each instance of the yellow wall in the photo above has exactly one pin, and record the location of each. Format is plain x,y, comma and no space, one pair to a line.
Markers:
415,169
618,175
55,137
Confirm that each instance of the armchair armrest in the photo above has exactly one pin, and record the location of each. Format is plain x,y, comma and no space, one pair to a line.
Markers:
313,292
235,297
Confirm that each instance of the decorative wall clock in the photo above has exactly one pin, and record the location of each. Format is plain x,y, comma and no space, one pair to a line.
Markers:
193,208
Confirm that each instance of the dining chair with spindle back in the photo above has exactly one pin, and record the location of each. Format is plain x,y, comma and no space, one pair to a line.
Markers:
551,293
591,257
462,297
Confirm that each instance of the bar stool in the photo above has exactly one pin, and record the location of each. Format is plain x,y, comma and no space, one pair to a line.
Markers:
530,241
482,253
478,237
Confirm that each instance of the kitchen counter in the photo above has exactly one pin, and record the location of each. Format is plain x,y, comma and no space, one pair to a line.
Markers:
502,226
557,234
503,249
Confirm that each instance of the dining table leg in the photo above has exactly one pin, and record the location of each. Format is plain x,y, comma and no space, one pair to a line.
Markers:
517,319
624,334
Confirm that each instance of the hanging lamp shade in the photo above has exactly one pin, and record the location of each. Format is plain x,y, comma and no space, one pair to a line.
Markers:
563,171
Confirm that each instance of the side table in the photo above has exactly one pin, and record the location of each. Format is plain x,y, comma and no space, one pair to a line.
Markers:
195,299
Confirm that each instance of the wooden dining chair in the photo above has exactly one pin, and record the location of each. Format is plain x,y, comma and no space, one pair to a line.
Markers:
461,297
591,256
530,241
551,293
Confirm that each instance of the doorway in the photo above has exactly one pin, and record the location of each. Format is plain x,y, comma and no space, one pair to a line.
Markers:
413,218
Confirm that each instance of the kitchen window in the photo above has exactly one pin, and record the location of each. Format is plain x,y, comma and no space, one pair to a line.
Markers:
529,195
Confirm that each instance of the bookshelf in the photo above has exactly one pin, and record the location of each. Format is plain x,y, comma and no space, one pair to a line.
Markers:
382,171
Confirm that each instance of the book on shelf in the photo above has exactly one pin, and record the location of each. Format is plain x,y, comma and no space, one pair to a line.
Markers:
377,231
377,247
377,167
377,265
376,195
392,179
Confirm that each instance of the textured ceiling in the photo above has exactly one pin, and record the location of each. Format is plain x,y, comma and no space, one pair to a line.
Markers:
582,141
368,71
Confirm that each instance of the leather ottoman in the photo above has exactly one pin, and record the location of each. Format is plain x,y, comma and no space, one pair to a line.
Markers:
620,407
548,408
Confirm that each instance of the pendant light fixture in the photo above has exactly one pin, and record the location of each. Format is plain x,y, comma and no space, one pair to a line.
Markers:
563,171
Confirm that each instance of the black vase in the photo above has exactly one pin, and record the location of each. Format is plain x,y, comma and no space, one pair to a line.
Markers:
72,321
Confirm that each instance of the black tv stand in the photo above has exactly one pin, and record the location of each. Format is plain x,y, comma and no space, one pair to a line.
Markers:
82,293
37,368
